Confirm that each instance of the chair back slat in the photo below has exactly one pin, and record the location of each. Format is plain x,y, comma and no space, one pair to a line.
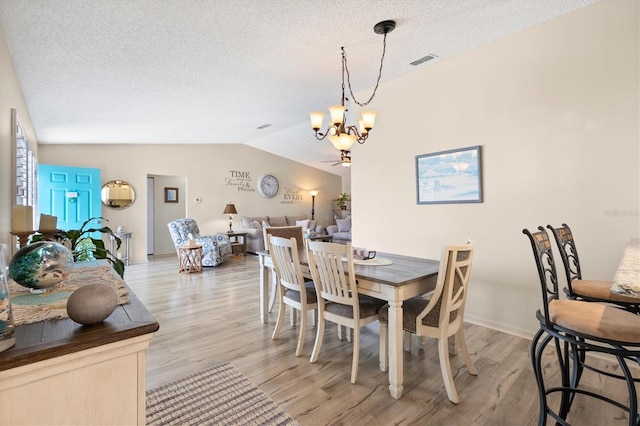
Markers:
333,282
286,262
450,295
456,280
568,253
545,264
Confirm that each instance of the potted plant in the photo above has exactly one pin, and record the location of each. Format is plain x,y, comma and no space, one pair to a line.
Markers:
84,247
342,198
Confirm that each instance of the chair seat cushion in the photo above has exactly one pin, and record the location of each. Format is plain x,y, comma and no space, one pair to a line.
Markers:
310,290
369,307
596,319
413,307
599,290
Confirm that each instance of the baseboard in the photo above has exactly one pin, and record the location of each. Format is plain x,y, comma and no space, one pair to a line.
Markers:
518,332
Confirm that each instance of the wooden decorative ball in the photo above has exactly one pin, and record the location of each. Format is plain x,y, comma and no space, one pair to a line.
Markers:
92,303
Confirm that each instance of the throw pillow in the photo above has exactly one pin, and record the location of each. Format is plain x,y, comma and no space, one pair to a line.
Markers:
265,224
344,225
303,223
256,225
313,224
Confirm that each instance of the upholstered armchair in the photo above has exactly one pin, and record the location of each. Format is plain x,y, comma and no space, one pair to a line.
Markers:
215,248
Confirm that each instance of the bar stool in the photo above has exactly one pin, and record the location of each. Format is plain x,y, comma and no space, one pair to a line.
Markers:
577,327
587,290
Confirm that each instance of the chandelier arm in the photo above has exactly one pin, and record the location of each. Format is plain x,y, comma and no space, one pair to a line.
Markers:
353,130
345,69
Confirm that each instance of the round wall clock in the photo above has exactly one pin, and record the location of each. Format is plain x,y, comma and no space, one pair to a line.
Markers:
268,186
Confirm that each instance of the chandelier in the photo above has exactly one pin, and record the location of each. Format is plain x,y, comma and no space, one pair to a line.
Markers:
340,134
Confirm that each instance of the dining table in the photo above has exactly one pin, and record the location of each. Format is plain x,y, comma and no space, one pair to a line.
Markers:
390,277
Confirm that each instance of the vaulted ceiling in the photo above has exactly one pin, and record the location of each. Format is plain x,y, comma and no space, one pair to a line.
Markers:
214,71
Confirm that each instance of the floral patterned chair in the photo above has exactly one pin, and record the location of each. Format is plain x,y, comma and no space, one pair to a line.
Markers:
215,248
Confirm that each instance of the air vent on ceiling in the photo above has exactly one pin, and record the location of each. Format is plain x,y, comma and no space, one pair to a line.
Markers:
264,126
424,59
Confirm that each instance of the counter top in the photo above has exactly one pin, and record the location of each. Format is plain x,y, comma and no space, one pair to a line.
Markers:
48,339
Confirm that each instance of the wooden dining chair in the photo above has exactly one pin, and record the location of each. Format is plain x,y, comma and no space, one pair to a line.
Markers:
581,289
293,290
577,327
441,316
333,274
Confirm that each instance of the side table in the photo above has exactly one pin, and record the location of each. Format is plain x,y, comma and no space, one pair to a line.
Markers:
124,237
238,242
190,259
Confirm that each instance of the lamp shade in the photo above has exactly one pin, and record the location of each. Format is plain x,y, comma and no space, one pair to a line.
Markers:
316,120
343,141
230,209
337,114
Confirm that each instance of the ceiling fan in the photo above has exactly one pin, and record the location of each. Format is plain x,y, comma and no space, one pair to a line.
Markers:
345,159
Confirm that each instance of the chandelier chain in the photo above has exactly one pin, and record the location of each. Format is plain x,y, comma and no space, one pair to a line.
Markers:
345,69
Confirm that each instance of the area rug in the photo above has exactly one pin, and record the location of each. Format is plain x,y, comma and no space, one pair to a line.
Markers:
220,395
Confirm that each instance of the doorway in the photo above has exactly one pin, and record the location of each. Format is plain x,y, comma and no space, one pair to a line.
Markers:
72,194
161,212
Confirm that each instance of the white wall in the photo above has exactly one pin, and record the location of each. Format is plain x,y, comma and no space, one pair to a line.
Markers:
206,170
10,97
166,212
555,109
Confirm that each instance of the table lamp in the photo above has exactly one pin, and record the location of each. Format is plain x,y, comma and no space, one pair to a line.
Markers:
230,209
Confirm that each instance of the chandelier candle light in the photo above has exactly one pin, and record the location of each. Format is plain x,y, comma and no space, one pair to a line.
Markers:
340,134
230,209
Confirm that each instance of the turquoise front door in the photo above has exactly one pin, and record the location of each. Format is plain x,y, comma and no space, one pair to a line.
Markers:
72,194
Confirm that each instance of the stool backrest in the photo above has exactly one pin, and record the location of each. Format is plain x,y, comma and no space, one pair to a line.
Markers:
568,253
543,254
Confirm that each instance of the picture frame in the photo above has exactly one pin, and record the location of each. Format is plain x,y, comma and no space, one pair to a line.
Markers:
449,177
170,195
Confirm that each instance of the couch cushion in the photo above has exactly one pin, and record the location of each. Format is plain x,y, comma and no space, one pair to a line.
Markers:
344,225
291,220
277,220
246,220
341,235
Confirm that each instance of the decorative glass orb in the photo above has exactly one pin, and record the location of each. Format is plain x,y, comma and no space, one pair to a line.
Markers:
41,265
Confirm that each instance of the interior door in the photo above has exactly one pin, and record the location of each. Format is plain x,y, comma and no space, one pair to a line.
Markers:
72,194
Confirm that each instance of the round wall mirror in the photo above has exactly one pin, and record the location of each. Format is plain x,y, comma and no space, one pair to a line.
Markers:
117,194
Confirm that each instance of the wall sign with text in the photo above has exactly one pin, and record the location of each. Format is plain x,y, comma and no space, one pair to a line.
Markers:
241,180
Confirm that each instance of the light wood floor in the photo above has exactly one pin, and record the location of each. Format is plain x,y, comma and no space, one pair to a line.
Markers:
212,317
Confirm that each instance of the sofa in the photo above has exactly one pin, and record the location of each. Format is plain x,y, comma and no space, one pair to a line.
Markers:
254,225
341,231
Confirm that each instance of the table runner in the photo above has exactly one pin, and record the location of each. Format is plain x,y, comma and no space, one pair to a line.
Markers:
28,307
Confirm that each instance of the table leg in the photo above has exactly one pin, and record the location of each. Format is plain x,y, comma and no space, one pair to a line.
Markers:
274,291
396,364
264,291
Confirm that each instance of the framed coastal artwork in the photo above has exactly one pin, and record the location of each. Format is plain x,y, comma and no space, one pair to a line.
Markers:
453,176
170,195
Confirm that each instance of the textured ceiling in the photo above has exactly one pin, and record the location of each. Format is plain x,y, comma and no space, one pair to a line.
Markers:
212,71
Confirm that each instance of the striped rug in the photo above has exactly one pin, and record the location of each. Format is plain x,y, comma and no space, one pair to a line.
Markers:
220,395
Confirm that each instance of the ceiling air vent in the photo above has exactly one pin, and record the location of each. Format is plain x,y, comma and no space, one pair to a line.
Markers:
424,59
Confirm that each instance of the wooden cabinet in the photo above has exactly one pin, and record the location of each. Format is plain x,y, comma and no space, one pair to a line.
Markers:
60,372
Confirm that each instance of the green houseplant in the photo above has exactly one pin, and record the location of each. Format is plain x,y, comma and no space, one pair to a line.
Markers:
85,247
342,198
